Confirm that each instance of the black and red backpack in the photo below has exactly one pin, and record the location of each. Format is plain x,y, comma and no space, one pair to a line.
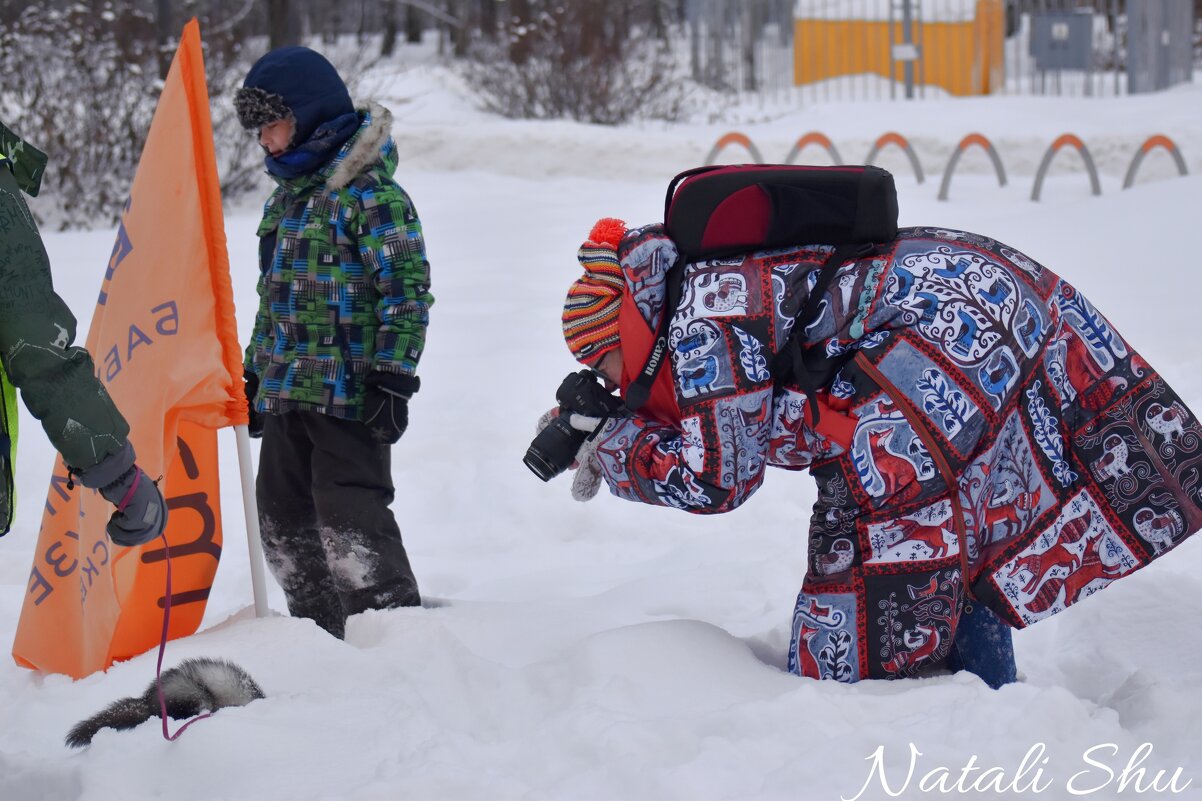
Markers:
719,211
722,210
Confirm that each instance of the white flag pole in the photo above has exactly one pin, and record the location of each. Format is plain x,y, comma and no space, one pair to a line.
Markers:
254,542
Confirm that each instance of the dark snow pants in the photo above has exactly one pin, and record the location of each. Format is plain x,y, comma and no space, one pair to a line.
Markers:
324,489
984,645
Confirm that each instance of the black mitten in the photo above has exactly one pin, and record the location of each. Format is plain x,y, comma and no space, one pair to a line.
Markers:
386,405
141,512
254,425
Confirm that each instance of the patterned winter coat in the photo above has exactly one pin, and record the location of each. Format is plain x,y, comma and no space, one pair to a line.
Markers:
993,438
344,286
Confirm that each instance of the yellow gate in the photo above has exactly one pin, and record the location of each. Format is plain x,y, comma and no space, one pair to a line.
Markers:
957,52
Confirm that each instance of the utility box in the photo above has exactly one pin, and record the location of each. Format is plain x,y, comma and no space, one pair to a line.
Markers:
1062,41
1159,46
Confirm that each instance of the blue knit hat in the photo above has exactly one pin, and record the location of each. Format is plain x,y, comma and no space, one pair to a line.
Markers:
292,80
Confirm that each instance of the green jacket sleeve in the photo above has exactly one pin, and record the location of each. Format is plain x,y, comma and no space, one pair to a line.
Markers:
394,253
57,381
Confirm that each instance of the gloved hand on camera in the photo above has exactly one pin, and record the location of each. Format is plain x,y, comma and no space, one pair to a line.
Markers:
141,513
581,393
386,405
584,405
586,481
254,425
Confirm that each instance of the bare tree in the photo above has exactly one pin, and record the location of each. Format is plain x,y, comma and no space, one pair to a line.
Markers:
388,45
89,103
332,21
458,31
748,29
413,25
578,59
281,30
165,26
519,26
488,18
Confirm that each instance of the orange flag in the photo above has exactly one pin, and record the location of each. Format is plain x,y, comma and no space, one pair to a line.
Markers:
166,347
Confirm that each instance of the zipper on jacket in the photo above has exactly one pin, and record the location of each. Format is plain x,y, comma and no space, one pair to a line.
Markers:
8,397
941,464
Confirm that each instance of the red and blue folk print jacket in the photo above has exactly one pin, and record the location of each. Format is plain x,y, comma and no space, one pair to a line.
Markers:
993,439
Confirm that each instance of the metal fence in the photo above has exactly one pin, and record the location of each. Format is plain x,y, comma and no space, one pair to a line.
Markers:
741,45
856,49
1106,48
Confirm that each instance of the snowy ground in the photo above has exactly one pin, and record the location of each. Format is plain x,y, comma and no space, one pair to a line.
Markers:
613,651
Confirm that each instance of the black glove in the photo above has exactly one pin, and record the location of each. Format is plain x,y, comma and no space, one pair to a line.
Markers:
386,405
141,512
254,425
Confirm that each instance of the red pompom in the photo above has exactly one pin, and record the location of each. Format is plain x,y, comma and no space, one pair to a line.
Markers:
608,231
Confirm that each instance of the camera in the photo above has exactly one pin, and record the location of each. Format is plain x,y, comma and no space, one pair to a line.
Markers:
555,447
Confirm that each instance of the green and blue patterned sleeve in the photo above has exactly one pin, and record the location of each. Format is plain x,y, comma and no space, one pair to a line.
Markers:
389,235
256,351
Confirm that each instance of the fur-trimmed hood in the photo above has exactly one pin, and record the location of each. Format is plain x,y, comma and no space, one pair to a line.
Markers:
370,145
372,142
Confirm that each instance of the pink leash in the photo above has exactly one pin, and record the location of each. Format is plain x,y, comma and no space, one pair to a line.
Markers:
158,671
129,494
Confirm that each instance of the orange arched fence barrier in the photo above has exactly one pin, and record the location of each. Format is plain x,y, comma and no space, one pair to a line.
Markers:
1070,140
814,138
971,140
965,143
1149,145
734,138
893,138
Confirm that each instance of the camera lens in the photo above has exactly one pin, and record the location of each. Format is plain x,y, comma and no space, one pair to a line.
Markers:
554,449
539,465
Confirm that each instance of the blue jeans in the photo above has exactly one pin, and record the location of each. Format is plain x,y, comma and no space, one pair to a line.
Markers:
983,646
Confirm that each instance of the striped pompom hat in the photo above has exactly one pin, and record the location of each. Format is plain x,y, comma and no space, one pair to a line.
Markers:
590,312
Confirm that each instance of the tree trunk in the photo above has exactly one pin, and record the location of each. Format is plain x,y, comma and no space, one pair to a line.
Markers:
488,19
388,46
166,30
331,26
459,34
363,30
715,64
279,23
520,19
693,20
413,25
750,36
659,22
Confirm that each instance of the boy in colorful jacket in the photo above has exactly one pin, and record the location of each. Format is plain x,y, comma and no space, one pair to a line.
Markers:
344,292
992,445
57,379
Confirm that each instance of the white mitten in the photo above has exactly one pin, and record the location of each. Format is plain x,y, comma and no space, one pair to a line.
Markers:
587,481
